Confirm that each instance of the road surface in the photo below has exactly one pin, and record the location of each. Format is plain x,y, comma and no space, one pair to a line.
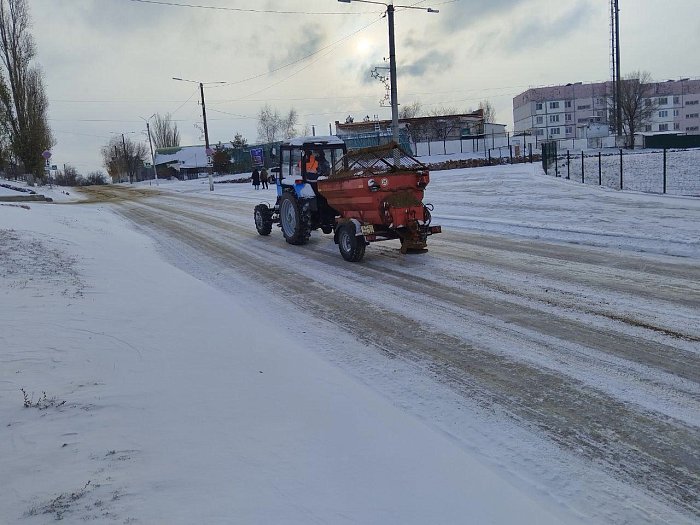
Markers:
593,349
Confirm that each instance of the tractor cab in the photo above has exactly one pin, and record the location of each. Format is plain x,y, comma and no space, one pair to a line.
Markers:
305,160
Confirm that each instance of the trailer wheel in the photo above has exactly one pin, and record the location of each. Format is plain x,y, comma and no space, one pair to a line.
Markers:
294,229
263,219
352,247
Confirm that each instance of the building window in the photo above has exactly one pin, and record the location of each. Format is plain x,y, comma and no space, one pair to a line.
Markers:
584,106
539,132
568,117
663,114
569,130
538,106
600,101
554,131
663,127
540,120
692,128
567,104
583,120
677,125
676,100
675,112
692,115
554,118
663,101
554,105
647,127
691,102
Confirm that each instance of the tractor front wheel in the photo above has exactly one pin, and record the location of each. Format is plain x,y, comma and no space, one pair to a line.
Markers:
263,219
352,247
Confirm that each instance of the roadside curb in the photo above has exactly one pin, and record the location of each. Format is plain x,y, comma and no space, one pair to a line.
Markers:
25,198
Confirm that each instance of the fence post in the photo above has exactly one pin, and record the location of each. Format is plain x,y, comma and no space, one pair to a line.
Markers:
489,157
530,152
600,170
582,168
556,165
510,149
461,147
568,165
664,170
620,169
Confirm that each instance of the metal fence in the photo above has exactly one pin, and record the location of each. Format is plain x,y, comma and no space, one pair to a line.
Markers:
667,171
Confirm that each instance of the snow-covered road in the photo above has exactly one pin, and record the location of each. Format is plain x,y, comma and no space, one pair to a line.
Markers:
552,331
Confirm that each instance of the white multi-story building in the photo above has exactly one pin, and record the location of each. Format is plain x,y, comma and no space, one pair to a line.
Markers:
571,111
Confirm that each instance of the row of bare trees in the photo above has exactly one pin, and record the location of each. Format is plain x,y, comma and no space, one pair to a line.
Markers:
24,130
415,109
124,157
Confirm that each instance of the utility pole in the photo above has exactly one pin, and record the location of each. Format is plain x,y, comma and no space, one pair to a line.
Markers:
206,136
126,161
392,76
204,118
617,73
153,158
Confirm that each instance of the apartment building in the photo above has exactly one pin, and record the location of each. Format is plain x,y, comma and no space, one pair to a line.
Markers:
577,110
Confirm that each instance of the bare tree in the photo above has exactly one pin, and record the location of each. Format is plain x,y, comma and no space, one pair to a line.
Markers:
23,101
441,111
289,124
411,110
123,157
636,102
269,124
489,111
272,126
165,132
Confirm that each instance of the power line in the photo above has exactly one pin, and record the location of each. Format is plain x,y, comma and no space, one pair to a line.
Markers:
244,10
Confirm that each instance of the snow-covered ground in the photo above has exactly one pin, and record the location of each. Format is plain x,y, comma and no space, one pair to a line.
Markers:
168,400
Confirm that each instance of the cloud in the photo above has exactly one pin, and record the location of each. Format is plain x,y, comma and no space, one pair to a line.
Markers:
537,31
432,61
311,41
469,13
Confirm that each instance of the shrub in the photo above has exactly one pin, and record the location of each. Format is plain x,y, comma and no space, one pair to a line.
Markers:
95,178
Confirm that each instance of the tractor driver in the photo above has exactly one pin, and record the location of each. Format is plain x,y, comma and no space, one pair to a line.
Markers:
311,164
324,167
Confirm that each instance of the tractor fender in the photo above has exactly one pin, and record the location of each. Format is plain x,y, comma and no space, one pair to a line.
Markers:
358,228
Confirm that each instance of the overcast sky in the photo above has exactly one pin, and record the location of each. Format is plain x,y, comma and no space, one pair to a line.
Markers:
107,63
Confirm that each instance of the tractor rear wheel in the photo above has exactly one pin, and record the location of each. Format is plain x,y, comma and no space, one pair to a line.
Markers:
352,247
294,228
263,219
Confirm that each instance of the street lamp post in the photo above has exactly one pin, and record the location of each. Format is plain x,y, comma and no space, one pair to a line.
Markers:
150,143
204,118
390,7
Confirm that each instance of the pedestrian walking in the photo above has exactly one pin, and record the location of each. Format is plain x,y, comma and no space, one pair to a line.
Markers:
264,178
256,179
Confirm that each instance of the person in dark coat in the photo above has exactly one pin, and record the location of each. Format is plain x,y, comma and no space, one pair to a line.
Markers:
264,178
256,179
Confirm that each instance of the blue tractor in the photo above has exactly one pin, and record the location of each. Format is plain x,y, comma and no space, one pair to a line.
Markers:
299,208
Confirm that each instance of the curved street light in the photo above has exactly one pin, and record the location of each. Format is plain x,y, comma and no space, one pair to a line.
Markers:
390,7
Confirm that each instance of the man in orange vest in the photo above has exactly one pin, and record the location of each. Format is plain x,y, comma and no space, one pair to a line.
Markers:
311,166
